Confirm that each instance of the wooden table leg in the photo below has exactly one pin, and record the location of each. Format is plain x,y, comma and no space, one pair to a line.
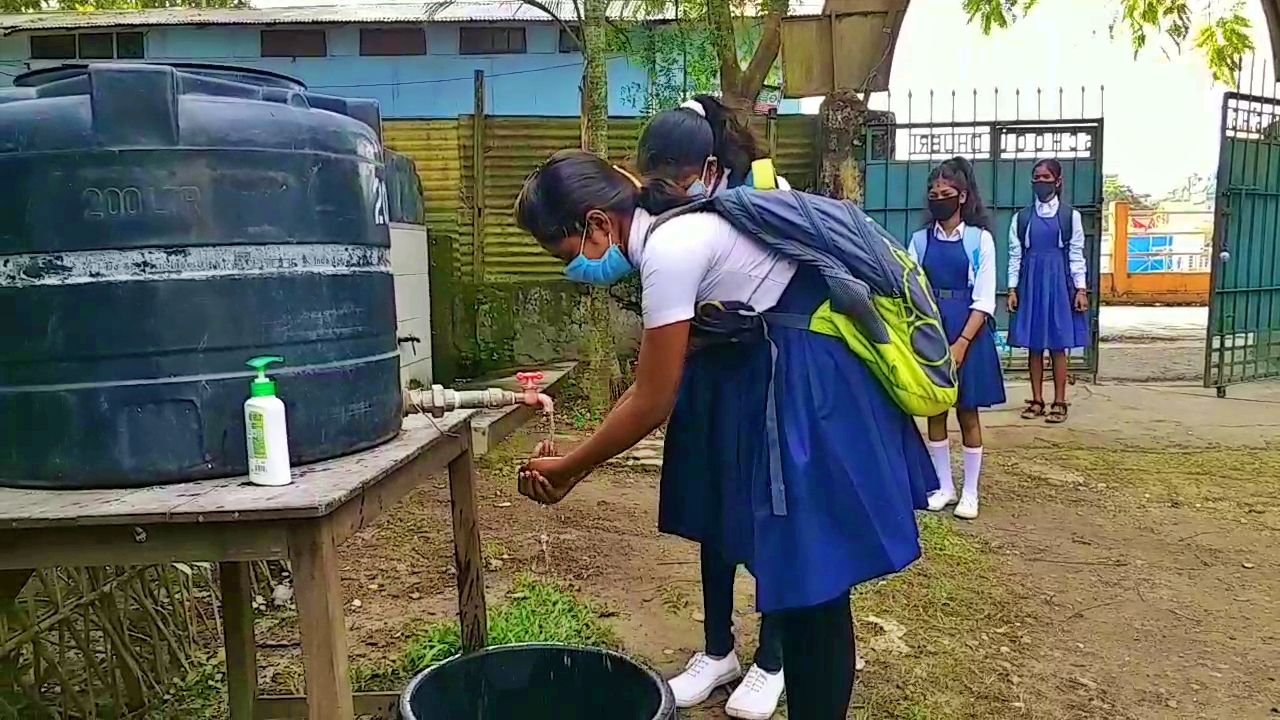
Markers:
324,631
237,631
466,544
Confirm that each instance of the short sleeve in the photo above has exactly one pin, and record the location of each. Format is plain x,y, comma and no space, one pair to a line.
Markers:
677,256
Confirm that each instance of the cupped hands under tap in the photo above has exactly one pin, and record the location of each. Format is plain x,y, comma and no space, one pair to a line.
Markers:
547,479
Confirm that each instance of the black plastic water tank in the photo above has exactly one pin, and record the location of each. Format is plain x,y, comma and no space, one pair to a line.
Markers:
161,224
538,681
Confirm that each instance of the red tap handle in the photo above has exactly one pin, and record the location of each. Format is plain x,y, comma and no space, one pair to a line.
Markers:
529,380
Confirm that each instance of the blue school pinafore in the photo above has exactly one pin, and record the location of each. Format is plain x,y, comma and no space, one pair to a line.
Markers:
854,464
947,266
1045,319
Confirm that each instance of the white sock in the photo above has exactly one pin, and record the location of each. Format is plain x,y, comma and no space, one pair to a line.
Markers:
972,468
940,453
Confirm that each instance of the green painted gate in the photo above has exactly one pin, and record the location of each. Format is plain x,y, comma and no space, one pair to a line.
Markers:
1003,153
1243,341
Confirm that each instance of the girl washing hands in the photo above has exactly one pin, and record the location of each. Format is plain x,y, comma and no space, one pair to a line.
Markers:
850,456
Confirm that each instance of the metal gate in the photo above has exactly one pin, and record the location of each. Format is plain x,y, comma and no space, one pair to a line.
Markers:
1243,342
899,158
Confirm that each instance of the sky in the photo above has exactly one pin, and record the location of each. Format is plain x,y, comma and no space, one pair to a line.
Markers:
1162,114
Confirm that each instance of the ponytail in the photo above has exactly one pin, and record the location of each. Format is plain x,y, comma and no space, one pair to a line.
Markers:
736,144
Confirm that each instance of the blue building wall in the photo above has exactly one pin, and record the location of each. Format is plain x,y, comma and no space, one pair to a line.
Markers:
440,84
542,81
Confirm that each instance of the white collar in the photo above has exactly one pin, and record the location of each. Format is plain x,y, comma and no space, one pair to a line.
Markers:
1047,209
641,222
941,234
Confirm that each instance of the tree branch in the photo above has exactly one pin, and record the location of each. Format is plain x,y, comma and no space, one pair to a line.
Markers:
724,40
752,81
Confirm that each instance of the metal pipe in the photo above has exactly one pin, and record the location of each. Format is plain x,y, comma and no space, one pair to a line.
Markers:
439,400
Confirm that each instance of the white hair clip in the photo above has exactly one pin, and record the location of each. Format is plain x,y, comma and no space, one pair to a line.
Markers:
695,106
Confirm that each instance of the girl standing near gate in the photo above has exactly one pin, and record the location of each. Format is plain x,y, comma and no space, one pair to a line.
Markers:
1048,291
849,454
959,258
705,146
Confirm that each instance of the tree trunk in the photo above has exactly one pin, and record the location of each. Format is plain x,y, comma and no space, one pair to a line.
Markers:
600,348
844,120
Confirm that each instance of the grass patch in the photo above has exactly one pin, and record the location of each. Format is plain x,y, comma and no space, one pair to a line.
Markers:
943,639
202,693
536,610
1230,479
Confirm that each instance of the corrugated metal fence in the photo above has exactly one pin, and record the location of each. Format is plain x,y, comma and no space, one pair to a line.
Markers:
444,152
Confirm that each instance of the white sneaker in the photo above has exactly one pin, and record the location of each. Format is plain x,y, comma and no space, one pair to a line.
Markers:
940,499
702,676
757,696
967,508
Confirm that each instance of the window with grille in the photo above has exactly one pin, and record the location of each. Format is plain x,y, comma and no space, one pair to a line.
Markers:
294,43
97,46
569,42
53,47
393,41
89,46
490,41
130,46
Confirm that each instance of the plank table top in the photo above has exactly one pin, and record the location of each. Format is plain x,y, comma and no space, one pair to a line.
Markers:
316,491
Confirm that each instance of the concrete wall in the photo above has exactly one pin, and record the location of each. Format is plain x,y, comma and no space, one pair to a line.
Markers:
413,300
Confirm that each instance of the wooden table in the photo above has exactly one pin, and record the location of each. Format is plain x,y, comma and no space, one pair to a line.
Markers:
234,523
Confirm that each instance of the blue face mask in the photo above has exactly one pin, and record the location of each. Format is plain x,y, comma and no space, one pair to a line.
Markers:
698,189
601,272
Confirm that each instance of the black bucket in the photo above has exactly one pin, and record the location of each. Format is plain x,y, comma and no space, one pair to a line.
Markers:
538,681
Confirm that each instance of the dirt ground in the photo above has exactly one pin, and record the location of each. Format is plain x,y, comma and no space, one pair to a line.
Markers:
1126,565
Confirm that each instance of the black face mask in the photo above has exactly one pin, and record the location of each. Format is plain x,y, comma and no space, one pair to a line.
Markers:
1044,190
943,208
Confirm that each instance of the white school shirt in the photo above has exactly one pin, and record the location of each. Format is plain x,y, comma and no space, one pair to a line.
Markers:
699,257
984,276
1075,247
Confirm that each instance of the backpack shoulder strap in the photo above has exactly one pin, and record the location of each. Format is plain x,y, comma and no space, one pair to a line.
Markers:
972,248
919,243
763,175
1066,223
1024,222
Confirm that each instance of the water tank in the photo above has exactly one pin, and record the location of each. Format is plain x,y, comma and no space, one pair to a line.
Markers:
161,224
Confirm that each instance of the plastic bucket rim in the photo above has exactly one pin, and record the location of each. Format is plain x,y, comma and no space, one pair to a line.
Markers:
665,708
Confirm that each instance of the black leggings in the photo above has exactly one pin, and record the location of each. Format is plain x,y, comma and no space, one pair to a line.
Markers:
817,643
717,601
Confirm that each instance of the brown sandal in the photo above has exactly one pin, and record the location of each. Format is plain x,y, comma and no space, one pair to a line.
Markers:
1033,410
1057,413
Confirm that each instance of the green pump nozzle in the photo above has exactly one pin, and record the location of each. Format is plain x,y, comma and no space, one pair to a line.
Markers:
263,386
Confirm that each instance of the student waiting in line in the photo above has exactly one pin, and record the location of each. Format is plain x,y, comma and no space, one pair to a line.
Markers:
1048,291
958,255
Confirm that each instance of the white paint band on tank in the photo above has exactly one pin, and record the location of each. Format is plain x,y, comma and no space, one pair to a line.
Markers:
190,263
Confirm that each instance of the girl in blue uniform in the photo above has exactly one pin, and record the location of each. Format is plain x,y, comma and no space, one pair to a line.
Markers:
959,258
1048,292
849,455
705,146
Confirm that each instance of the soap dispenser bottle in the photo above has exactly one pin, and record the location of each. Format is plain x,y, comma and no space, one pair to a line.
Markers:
266,433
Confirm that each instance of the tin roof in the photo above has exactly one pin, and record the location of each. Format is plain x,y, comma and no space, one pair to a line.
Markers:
431,12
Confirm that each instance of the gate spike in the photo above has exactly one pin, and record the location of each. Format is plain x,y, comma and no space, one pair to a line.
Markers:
1017,104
